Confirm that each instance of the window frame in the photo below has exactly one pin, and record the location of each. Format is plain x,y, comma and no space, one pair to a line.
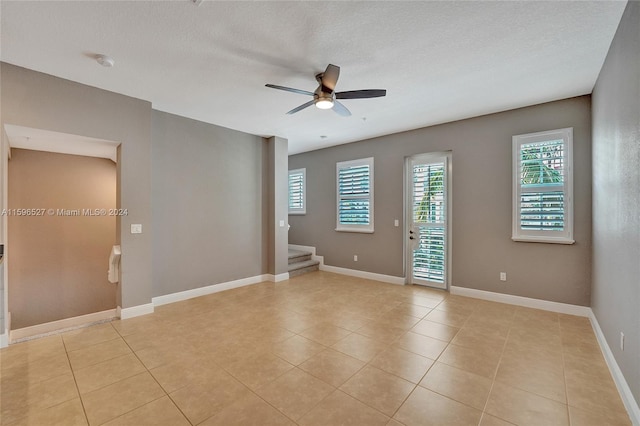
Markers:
303,210
368,228
544,236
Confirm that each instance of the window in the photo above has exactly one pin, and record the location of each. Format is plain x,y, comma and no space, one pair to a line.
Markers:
543,187
297,191
355,195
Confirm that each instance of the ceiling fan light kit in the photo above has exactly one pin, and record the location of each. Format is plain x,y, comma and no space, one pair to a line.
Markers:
325,96
324,103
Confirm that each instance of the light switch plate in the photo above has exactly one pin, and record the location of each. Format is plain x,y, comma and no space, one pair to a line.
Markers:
136,228
282,224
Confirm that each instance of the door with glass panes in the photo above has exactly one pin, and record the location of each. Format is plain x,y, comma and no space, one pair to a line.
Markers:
428,211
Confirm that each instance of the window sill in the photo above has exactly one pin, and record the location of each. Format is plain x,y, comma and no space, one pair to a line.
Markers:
360,231
297,213
546,240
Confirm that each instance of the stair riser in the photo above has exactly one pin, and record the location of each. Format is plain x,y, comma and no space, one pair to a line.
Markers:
303,271
299,259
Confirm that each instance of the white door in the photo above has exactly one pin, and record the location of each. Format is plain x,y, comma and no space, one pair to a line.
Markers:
428,211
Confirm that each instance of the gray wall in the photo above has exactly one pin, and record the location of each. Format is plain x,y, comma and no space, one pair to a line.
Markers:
481,197
41,101
616,196
208,204
58,263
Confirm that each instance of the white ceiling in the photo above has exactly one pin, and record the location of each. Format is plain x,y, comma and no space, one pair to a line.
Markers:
439,61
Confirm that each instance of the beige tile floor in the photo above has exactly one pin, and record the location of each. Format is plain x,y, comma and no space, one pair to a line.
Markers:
319,349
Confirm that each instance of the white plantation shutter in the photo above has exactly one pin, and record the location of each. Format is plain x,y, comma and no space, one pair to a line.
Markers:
297,191
429,216
428,260
355,195
542,210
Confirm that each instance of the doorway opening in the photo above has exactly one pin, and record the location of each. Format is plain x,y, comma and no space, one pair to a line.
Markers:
60,216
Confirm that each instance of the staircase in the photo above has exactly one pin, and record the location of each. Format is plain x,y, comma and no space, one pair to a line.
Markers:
300,262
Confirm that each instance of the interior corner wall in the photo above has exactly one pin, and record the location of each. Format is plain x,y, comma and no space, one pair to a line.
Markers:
42,101
58,262
278,180
208,204
616,197
481,204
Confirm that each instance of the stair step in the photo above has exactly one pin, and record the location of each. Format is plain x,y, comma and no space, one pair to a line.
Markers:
303,264
298,256
299,268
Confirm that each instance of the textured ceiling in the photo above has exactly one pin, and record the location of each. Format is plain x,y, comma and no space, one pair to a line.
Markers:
439,61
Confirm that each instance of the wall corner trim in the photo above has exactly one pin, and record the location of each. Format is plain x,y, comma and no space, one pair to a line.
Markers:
134,311
214,288
527,302
621,383
277,278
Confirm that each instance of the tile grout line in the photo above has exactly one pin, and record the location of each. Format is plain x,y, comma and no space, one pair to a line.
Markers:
415,385
84,410
154,378
80,395
495,374
564,374
432,364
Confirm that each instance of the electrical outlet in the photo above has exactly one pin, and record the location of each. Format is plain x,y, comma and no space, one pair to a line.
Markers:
621,341
503,276
396,222
355,257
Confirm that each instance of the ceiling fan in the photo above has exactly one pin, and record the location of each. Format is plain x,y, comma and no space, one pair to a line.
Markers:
325,96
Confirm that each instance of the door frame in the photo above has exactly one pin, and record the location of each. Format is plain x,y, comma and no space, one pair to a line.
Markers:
407,210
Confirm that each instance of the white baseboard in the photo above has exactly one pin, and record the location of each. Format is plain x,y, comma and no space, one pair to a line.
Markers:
134,311
563,308
60,325
214,288
4,340
346,271
623,387
363,274
277,278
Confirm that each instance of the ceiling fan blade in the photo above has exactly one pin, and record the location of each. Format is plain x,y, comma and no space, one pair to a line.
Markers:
341,109
330,77
289,89
301,107
361,94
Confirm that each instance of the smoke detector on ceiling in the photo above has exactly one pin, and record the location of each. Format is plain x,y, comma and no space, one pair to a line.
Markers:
105,61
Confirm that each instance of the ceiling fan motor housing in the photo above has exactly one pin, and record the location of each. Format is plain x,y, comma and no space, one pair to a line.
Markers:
323,96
